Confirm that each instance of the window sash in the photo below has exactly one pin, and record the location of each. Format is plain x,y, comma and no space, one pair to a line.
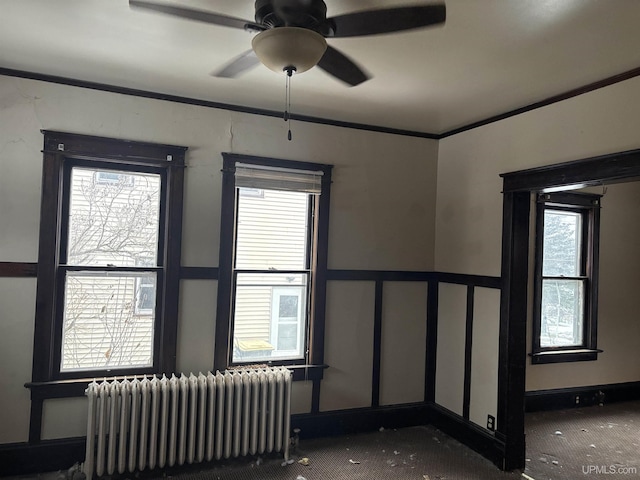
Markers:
275,179
99,216
563,312
265,287
153,266
99,320
296,256
572,262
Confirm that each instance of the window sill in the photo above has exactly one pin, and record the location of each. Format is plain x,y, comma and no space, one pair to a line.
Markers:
58,388
562,356
76,387
307,372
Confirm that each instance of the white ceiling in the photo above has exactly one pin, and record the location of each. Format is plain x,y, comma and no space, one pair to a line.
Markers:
490,57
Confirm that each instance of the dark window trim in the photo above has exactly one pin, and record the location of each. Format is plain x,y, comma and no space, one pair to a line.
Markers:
588,206
223,349
61,149
517,186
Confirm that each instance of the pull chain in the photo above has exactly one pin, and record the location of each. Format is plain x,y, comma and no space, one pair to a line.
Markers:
287,111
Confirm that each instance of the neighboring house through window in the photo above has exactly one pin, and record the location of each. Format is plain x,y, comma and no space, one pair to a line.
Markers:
566,277
108,268
273,259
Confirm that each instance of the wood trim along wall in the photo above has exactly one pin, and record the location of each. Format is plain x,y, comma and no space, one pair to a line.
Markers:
431,357
612,80
358,420
468,345
52,455
380,275
415,276
18,269
468,433
46,456
206,103
513,321
227,223
199,273
168,332
576,397
603,169
621,77
377,345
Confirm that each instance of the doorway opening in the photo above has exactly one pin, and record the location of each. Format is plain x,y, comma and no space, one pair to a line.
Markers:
515,305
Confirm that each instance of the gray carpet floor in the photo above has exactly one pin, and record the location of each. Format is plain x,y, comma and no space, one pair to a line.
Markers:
593,443
421,453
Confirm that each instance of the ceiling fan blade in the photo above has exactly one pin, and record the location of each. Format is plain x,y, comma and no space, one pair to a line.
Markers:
238,65
342,67
387,20
198,15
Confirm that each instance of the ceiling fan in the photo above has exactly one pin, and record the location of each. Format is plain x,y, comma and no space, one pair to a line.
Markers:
292,33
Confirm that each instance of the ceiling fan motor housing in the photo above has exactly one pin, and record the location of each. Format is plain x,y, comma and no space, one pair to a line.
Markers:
310,14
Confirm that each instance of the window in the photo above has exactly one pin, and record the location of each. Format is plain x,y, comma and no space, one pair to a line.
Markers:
271,288
565,308
106,261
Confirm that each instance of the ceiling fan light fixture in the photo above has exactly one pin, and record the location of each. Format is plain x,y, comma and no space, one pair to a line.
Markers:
282,49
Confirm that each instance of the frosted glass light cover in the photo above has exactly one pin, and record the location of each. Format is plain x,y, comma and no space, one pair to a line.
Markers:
283,47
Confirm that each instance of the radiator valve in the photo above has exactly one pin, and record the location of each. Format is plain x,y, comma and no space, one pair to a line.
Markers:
295,440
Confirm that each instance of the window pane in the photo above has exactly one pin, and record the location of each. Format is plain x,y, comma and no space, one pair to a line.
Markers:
270,317
113,217
108,320
272,230
562,312
562,243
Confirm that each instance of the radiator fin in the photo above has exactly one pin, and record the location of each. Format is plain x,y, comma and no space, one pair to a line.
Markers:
137,424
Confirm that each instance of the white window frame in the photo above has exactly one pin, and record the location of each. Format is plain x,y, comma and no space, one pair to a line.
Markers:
276,294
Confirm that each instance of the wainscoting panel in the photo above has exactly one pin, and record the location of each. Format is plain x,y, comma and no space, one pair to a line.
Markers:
450,367
404,333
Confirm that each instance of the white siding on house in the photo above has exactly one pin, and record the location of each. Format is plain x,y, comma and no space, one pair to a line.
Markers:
253,313
272,231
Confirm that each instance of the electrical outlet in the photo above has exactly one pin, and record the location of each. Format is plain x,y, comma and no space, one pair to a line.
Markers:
491,423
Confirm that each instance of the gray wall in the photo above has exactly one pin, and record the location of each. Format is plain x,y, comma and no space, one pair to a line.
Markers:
469,221
382,217
385,214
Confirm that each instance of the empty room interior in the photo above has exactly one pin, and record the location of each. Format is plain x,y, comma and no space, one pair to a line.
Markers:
232,229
